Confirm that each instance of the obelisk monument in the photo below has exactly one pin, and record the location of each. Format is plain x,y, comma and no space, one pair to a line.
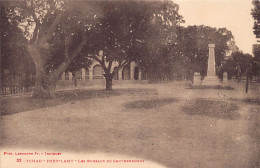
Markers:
211,79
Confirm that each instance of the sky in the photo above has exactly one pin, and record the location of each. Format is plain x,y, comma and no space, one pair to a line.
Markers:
235,15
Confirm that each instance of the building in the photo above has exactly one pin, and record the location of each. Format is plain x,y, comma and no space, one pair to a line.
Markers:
95,73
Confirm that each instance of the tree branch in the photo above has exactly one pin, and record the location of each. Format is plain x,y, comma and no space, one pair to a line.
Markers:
109,66
43,41
67,39
102,63
33,14
78,49
121,65
103,58
37,23
66,64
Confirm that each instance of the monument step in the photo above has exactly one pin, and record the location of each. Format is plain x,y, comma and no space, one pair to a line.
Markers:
211,81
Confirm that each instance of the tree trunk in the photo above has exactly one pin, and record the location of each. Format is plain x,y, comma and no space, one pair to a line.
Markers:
39,90
45,83
247,80
109,79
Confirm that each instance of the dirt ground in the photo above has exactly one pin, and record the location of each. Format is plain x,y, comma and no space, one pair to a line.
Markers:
170,126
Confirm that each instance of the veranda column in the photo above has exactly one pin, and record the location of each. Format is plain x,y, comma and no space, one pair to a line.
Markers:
83,74
70,75
91,73
132,70
120,74
140,74
63,76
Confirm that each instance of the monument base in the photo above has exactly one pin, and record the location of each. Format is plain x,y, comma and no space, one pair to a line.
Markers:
211,81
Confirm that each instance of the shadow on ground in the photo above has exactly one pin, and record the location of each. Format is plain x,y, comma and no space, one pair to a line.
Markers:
149,104
219,87
253,101
12,105
254,133
212,108
164,135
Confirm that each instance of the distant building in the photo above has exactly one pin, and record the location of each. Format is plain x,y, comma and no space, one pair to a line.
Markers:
131,71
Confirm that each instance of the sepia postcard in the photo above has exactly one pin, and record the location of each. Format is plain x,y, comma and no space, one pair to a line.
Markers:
130,84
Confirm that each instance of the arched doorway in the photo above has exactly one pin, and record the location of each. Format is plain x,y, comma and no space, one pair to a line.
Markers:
116,75
78,74
144,74
87,74
66,75
97,72
136,73
126,72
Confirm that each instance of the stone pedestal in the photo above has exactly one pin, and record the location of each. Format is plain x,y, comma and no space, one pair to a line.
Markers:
225,78
211,79
197,79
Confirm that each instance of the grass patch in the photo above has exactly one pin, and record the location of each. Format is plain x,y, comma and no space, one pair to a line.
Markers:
212,108
12,105
254,101
220,87
149,104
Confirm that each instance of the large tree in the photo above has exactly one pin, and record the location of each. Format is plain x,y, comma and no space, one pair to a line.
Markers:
193,47
238,65
256,29
14,57
61,33
256,15
256,60
152,52
132,31
40,21
185,51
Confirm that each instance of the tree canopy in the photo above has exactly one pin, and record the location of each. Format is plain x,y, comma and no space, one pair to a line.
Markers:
238,65
64,34
256,15
14,56
188,52
132,31
256,29
67,35
44,23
